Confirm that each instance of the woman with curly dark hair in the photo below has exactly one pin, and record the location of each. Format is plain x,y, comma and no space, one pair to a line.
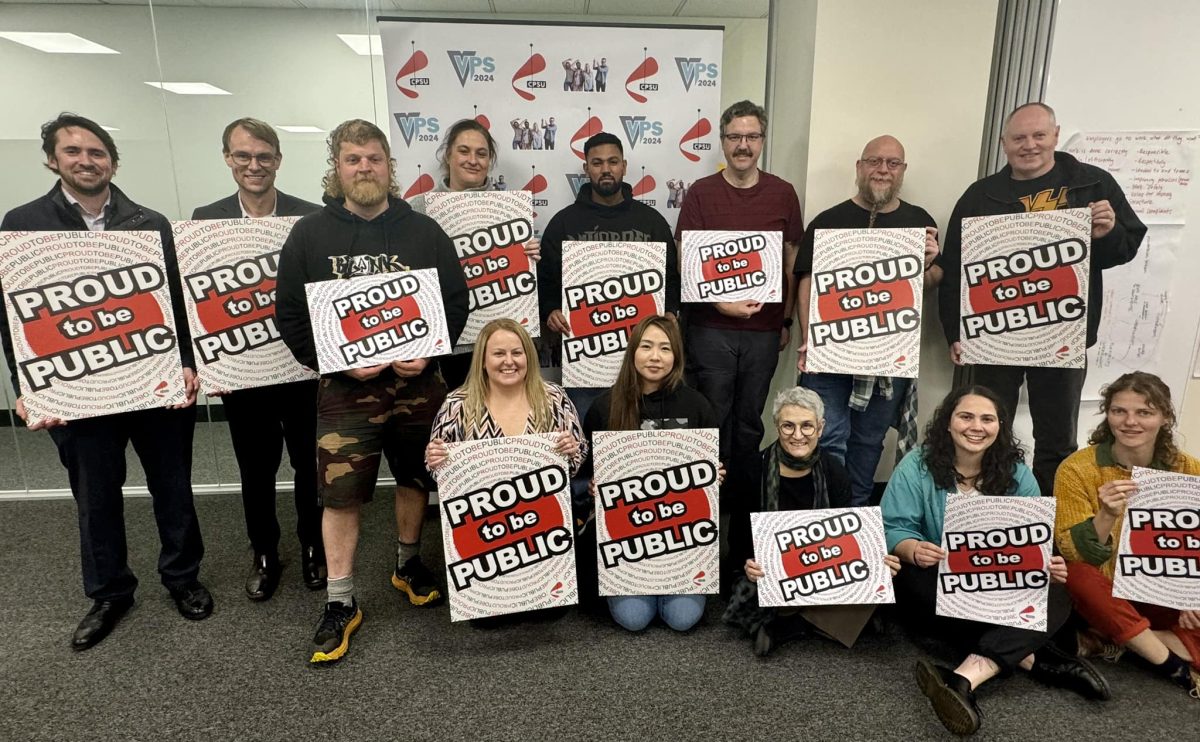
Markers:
970,449
1092,489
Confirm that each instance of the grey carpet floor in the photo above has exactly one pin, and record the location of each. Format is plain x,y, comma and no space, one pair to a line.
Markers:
411,674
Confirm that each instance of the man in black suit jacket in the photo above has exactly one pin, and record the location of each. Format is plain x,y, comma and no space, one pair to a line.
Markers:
263,419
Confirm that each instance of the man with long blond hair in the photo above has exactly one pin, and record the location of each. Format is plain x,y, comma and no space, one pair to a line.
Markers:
366,228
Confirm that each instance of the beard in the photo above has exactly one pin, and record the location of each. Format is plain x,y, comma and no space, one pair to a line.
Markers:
876,195
367,193
606,189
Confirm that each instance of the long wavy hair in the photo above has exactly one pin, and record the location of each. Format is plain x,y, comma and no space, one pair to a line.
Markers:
1158,396
478,386
999,460
624,409
356,131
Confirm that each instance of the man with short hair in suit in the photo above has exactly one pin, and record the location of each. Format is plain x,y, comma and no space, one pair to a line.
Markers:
263,419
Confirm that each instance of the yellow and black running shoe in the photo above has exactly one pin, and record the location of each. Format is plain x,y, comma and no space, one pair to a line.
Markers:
338,623
416,581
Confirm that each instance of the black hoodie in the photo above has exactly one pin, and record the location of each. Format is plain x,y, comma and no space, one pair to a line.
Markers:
585,220
335,243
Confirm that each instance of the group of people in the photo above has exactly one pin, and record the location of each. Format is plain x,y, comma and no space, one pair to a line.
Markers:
676,192
709,367
533,136
585,77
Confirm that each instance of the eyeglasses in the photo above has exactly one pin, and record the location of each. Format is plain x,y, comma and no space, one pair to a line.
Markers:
874,162
739,138
789,429
244,158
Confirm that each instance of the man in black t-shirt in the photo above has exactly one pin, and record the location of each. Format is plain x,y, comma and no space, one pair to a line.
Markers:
1037,178
860,409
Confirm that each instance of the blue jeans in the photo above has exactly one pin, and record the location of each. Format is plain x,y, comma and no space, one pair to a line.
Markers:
852,437
635,612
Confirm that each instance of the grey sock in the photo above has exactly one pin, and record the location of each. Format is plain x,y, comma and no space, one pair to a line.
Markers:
341,590
404,552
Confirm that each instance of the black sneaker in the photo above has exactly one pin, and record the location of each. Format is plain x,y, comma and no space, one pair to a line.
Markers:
416,581
333,635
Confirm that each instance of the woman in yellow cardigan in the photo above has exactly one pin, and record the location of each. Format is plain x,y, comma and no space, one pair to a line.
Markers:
1092,487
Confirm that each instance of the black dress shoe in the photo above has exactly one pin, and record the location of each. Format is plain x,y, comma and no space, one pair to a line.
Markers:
264,577
312,567
99,621
951,697
1055,667
193,600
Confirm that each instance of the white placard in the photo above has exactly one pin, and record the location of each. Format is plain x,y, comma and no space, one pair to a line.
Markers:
368,320
1158,558
1024,288
228,269
507,526
657,513
92,324
997,561
864,313
731,266
821,557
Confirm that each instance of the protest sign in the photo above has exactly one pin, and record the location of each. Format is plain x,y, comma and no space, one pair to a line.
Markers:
228,268
607,288
1024,288
380,318
821,557
1158,559
657,511
731,266
91,320
997,561
507,526
489,231
864,314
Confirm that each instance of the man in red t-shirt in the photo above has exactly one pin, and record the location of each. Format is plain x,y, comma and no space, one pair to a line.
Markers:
732,348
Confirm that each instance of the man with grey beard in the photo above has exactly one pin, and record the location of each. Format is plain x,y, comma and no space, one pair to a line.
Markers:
860,409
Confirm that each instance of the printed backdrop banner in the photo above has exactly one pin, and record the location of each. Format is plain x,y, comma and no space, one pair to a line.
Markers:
543,89
656,511
489,231
1024,288
607,288
821,557
368,320
91,322
732,266
997,561
507,527
228,268
1158,559
864,314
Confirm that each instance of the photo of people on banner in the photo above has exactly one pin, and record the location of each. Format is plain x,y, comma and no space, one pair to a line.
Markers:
1158,559
228,268
91,322
585,77
533,135
369,320
489,231
732,266
657,513
821,557
997,561
506,526
607,288
865,304
1024,288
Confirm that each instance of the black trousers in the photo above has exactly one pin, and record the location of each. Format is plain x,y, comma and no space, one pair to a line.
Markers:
261,422
916,600
455,369
1053,404
93,451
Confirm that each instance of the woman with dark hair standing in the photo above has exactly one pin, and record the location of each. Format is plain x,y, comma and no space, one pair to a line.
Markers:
650,395
467,157
1092,488
969,448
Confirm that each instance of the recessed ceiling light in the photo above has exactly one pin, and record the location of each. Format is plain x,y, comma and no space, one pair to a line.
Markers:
302,129
56,43
363,44
189,88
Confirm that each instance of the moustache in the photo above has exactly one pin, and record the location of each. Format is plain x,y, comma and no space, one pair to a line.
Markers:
744,152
